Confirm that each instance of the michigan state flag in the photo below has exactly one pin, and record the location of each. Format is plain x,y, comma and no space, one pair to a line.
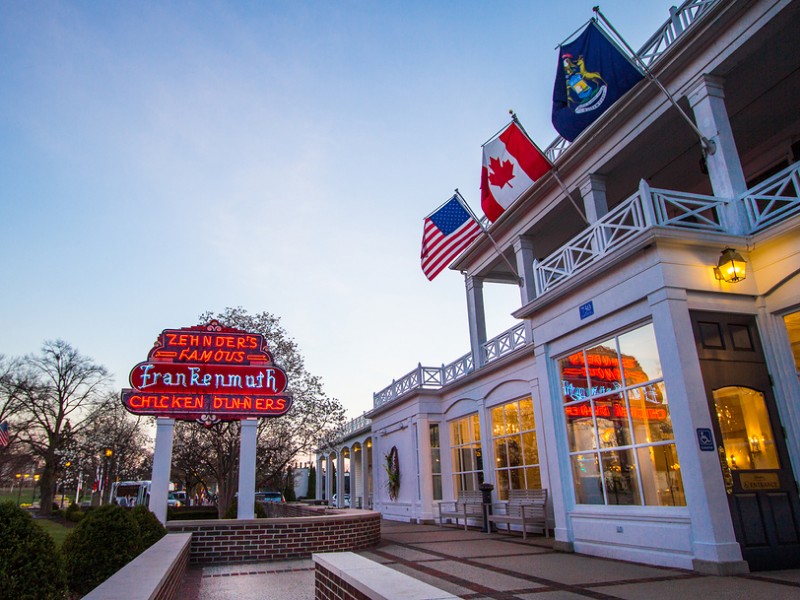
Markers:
592,75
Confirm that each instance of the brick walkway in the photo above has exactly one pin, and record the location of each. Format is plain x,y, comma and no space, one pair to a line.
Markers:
478,566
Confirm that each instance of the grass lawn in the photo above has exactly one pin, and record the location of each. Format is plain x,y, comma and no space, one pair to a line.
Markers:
57,531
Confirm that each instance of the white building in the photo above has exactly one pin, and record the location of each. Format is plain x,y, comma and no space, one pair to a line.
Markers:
659,405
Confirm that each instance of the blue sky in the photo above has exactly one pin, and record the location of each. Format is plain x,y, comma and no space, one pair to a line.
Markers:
158,160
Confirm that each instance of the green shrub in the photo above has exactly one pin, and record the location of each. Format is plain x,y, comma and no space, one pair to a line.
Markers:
105,540
150,527
30,567
233,509
73,513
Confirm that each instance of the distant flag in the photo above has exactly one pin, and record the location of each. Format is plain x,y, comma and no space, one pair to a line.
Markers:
447,232
4,434
511,164
592,74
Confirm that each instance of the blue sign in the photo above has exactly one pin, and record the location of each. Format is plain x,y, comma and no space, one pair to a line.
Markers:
587,310
705,439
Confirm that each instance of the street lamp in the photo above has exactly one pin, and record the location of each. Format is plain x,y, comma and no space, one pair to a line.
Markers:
19,487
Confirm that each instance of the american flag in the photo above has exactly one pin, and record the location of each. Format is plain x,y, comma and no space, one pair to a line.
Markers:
4,434
447,232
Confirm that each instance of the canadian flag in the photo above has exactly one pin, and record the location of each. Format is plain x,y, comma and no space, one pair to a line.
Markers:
511,164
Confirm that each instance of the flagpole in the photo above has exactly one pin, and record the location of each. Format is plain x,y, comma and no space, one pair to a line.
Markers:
554,170
520,281
708,146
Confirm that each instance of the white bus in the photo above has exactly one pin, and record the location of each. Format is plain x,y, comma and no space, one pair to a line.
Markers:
130,493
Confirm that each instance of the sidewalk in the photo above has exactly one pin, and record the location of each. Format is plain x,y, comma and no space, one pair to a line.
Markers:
477,566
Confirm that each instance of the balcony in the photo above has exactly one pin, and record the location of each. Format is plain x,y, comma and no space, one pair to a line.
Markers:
770,202
432,378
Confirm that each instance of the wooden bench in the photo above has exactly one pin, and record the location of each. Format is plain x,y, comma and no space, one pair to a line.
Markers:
526,508
468,506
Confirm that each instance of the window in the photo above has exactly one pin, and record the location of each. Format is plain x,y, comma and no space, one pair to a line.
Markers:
465,440
793,328
619,427
515,450
436,462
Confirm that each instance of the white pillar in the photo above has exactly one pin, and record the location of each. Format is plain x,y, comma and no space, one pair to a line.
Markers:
247,469
714,544
365,450
162,464
318,491
328,477
707,100
340,478
425,469
523,252
477,319
593,192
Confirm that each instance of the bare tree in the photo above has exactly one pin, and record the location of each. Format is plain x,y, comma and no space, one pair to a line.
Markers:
61,391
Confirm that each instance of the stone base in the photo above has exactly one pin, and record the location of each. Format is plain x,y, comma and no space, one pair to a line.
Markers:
723,569
559,546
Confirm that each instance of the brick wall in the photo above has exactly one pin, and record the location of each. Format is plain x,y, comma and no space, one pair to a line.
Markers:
234,541
328,586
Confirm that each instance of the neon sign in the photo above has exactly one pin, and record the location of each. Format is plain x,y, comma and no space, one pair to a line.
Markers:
208,373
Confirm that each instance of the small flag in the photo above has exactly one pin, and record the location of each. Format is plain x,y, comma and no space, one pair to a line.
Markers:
4,434
592,74
447,231
511,164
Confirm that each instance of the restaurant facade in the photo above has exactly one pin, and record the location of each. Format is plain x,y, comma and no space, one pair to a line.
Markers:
651,382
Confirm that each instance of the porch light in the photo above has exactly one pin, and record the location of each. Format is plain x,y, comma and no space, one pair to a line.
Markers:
731,266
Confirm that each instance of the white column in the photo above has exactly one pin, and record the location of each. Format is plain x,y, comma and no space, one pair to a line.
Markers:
707,100
593,192
477,318
328,478
340,478
247,469
523,252
425,469
365,450
355,476
162,464
318,491
714,542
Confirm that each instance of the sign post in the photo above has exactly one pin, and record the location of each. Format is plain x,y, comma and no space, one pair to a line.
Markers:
207,373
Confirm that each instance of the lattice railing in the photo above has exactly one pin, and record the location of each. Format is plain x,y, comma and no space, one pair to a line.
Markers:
354,425
645,208
505,343
687,211
436,377
680,19
457,369
774,199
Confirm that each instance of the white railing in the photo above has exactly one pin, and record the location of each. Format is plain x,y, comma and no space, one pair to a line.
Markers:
457,369
354,425
437,377
680,19
774,199
645,208
505,343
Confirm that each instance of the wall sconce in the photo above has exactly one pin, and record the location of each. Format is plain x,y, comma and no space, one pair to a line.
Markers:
731,266
755,445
